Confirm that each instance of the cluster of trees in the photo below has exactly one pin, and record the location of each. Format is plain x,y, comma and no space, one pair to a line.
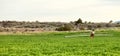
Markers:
69,26
80,25
15,24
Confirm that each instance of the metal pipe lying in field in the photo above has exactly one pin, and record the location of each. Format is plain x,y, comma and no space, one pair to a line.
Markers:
77,35
88,35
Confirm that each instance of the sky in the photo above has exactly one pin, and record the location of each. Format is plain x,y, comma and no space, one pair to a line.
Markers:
60,10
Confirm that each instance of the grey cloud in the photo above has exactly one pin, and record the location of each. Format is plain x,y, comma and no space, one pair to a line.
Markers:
110,2
63,8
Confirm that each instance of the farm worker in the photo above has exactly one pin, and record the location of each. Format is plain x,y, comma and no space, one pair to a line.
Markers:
92,33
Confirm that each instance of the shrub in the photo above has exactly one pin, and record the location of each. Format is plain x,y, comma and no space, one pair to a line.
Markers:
66,27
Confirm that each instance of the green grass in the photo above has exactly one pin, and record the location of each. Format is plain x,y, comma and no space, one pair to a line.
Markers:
54,44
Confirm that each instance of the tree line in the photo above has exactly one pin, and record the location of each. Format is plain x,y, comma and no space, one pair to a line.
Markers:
58,26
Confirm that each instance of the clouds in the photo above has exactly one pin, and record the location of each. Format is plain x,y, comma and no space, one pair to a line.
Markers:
59,9
111,2
43,6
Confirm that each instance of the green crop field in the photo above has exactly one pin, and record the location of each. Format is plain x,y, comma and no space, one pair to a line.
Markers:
56,44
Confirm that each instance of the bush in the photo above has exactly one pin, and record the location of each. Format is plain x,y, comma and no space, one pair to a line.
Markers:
66,27
99,26
60,29
89,27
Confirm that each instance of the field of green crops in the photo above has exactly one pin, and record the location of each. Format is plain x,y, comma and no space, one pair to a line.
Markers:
55,44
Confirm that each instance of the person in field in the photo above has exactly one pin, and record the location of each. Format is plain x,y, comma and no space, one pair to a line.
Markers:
92,33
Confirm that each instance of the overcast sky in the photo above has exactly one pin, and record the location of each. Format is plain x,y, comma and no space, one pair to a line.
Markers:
60,10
